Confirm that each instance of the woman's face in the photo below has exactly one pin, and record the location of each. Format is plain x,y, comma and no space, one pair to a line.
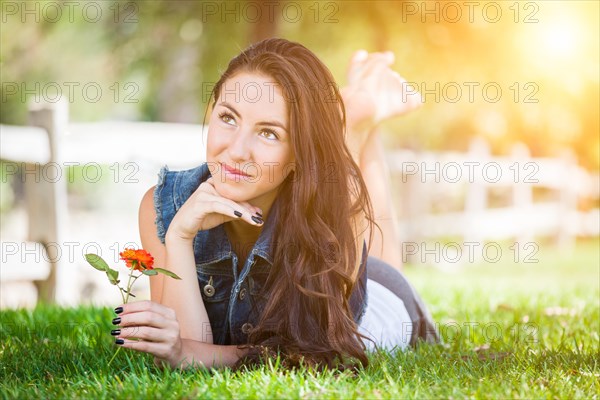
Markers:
248,131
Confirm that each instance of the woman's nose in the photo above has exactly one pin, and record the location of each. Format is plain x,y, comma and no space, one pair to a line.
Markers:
239,147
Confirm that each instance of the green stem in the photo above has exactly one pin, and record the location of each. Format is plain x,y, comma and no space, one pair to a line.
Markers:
135,278
125,299
121,291
129,285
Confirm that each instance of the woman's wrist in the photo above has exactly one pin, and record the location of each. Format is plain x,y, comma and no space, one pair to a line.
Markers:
177,238
195,354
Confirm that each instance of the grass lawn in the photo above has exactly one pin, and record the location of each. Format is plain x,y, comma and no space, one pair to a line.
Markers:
528,330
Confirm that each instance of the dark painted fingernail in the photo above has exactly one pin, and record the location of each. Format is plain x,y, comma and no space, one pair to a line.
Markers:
257,220
259,214
119,341
116,321
118,310
237,213
115,332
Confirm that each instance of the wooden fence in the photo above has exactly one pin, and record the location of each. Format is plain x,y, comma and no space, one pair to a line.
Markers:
451,194
50,143
438,194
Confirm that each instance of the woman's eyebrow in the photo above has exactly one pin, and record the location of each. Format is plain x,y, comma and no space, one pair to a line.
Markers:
231,108
237,114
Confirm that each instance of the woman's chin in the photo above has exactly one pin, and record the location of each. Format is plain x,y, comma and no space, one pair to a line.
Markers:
233,192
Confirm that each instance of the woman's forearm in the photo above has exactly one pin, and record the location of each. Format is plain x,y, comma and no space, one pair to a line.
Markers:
183,296
195,354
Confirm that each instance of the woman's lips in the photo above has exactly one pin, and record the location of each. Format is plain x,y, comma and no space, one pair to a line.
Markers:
233,171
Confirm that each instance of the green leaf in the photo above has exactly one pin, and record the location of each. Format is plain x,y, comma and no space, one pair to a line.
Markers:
113,276
149,272
167,272
97,262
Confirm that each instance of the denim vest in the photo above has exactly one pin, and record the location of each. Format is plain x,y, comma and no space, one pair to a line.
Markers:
230,288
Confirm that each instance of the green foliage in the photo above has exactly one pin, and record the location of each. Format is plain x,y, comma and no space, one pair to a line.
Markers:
546,345
98,262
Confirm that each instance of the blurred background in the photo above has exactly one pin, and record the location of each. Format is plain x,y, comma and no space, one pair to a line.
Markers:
511,83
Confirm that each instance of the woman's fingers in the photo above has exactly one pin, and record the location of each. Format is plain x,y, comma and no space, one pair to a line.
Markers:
147,306
255,210
232,210
148,333
145,318
149,327
246,209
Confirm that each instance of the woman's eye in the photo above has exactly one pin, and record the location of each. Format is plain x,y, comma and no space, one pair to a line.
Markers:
269,134
227,118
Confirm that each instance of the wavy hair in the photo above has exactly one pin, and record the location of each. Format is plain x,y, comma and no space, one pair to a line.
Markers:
307,318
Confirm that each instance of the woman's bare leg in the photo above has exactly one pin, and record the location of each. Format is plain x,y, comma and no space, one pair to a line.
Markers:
376,174
376,93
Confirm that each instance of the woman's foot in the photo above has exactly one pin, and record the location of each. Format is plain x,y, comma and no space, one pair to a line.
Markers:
374,93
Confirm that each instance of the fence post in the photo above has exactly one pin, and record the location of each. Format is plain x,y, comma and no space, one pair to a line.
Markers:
568,202
522,193
46,202
476,196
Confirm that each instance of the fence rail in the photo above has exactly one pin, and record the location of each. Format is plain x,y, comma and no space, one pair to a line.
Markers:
178,145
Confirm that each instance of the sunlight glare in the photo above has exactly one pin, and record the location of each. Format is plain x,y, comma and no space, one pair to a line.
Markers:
561,40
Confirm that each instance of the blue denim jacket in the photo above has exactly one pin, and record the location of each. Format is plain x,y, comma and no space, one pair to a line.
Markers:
230,288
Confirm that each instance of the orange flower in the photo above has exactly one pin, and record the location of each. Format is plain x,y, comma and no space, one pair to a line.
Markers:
139,260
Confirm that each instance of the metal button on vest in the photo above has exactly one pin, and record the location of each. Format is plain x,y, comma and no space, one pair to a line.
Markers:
209,289
242,294
246,328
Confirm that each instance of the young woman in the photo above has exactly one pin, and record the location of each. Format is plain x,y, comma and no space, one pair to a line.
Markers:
270,235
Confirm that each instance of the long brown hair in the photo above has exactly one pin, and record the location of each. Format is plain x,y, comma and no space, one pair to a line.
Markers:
307,317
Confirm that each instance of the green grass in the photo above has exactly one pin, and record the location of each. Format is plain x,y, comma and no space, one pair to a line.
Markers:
510,331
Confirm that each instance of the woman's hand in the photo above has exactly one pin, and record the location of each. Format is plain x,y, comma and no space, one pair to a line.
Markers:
205,209
151,328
